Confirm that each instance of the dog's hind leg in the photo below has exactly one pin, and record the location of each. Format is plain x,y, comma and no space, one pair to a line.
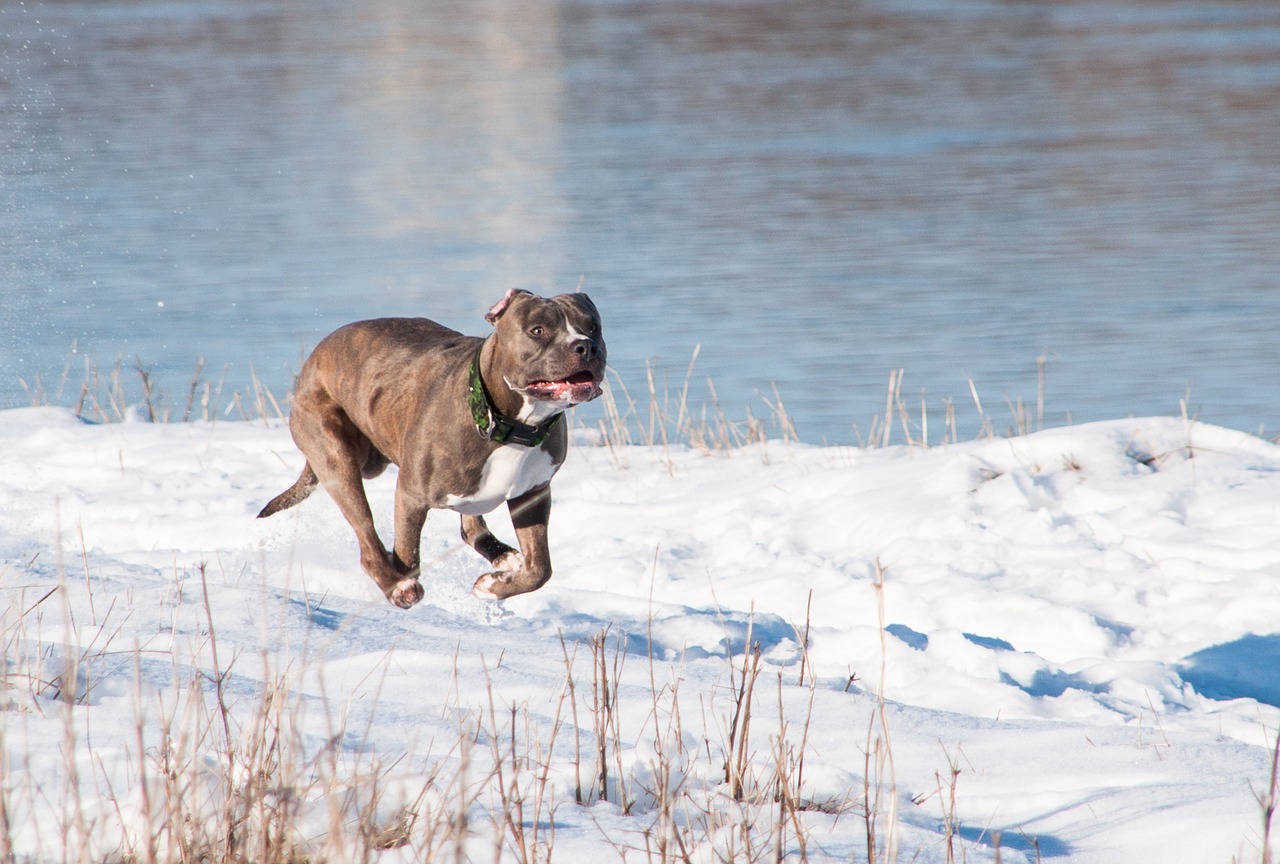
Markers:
338,453
302,487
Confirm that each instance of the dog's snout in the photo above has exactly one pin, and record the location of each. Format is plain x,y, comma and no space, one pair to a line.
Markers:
584,348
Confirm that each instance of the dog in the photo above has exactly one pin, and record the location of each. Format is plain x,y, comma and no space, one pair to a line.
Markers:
471,422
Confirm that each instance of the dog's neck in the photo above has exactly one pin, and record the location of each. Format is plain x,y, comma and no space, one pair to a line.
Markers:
530,426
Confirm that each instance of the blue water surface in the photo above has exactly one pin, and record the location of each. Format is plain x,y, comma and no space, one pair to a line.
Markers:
816,193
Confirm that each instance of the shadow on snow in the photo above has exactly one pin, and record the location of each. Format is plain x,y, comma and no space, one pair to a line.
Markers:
1243,669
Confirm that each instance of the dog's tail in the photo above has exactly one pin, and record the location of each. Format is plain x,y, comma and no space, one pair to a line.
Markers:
302,487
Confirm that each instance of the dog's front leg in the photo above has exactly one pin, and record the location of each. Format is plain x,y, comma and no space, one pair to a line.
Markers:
476,534
528,569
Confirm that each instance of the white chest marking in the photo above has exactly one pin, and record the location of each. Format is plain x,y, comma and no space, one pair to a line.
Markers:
509,473
535,412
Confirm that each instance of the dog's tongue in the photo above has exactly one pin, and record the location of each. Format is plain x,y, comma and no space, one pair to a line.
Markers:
578,387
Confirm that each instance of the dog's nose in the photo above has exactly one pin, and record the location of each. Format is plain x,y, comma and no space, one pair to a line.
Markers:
584,348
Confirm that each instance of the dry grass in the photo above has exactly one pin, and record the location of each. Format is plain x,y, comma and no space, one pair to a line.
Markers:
664,415
223,764
128,391
218,774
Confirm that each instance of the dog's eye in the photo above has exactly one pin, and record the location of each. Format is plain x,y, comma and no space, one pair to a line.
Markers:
536,330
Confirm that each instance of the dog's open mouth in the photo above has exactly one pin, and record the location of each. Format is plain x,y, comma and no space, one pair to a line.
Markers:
578,387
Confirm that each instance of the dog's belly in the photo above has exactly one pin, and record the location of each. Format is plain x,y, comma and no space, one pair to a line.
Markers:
509,473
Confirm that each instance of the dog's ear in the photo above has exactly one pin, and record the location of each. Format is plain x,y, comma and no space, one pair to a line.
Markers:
495,312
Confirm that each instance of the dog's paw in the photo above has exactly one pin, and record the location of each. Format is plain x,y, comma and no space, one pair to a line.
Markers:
406,593
509,562
489,586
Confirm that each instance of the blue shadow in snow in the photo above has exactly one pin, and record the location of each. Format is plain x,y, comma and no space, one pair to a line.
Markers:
914,638
1053,684
732,628
919,641
1039,846
989,642
329,619
1044,682
1243,669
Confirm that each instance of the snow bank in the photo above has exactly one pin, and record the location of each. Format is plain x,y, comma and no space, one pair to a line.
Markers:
1084,623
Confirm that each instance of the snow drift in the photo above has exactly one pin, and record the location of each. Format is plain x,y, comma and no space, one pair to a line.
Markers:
1066,644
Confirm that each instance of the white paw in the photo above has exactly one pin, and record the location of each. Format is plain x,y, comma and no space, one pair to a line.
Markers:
407,592
510,562
484,587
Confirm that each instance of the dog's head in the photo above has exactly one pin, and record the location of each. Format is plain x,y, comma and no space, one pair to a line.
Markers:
553,347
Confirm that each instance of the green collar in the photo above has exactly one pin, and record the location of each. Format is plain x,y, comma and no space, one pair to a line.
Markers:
491,423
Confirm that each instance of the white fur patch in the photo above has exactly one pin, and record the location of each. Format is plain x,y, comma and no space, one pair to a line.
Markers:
509,473
535,412
484,587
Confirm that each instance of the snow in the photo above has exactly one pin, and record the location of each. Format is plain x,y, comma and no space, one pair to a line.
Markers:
1083,622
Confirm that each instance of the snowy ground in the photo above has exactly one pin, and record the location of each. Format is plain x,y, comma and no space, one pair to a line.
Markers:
1084,623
